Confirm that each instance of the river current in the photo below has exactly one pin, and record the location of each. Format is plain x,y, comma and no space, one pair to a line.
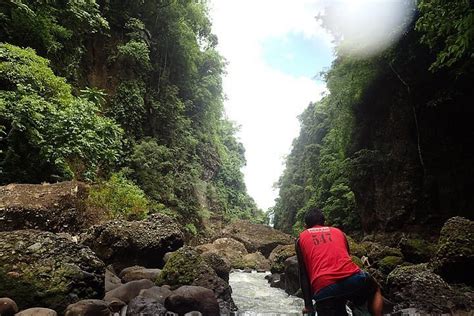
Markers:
254,297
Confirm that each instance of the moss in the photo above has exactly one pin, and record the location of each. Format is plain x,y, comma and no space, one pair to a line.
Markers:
357,249
417,250
357,261
389,263
182,268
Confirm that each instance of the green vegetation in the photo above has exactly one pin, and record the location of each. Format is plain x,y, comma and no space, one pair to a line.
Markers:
142,96
369,152
119,198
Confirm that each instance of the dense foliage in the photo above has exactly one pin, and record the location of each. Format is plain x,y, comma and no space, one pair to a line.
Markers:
368,152
151,67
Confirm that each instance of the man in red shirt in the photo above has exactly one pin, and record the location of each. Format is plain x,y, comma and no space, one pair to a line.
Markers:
327,273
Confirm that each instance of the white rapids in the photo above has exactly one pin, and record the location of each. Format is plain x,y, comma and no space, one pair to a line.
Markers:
254,297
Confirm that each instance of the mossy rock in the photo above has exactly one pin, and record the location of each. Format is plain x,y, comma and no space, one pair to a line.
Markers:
279,255
182,268
416,250
454,259
389,263
187,267
417,286
357,249
43,269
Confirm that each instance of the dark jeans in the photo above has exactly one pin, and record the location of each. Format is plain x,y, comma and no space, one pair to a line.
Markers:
358,288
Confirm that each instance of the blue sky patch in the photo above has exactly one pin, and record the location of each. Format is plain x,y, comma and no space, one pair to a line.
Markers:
296,55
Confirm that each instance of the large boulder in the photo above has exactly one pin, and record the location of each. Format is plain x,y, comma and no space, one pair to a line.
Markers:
418,287
58,207
219,264
186,299
229,248
43,269
256,261
124,244
454,259
417,250
279,255
257,237
187,267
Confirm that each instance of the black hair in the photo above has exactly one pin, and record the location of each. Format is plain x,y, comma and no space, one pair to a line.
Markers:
314,217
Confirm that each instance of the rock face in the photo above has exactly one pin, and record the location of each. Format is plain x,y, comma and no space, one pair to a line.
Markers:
256,261
416,250
124,244
193,298
454,259
187,267
417,286
43,269
219,264
58,207
257,237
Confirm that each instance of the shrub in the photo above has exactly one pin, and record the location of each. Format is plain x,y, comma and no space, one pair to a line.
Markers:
119,198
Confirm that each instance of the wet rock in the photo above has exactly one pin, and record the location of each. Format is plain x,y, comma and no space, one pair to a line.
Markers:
193,298
88,308
279,255
138,273
187,267
257,237
8,306
116,305
128,291
37,311
291,276
256,261
229,248
144,243
58,207
145,306
454,259
219,264
275,281
157,293
418,287
43,269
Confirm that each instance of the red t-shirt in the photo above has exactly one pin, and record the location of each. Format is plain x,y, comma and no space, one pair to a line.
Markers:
325,256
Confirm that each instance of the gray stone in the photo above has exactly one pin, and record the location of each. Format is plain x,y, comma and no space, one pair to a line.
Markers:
145,306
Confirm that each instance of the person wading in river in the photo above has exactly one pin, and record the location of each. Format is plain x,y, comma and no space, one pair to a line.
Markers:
327,273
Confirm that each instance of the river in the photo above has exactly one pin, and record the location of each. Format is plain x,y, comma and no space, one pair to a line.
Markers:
254,297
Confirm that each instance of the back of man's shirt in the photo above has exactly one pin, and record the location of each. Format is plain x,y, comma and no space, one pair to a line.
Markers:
325,256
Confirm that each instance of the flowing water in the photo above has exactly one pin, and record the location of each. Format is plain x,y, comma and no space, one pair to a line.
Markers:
254,297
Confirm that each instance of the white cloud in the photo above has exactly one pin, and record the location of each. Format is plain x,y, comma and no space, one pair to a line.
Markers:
264,100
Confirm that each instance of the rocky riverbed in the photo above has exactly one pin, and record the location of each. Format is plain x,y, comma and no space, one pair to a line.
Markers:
147,267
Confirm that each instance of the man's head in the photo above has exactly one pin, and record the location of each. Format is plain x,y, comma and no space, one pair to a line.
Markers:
314,217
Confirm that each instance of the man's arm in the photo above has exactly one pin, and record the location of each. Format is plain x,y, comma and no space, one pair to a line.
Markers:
304,279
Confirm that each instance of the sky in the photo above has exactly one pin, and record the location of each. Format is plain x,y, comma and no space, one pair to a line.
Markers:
274,50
